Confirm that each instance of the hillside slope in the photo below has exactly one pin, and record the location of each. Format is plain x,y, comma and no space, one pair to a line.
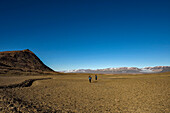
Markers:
25,61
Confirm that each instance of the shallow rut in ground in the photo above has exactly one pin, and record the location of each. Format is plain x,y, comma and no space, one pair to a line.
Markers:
26,83
9,102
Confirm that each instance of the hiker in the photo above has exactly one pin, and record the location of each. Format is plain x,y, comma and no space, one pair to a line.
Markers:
95,77
90,79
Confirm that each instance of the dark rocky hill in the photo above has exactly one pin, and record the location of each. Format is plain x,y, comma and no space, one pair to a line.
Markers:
25,61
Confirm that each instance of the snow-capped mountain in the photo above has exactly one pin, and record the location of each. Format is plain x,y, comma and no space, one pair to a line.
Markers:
155,69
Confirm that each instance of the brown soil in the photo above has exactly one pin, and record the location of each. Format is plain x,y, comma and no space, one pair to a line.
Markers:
73,93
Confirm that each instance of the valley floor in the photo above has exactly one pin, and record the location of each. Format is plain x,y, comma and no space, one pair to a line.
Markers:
73,93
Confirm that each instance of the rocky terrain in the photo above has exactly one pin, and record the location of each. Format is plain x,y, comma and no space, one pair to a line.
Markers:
156,69
9,102
25,61
119,93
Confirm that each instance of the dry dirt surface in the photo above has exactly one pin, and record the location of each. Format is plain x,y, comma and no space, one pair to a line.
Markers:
73,93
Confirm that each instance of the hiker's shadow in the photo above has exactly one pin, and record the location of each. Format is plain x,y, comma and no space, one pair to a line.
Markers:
94,81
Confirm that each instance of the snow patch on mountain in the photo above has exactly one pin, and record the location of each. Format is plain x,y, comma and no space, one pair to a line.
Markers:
155,69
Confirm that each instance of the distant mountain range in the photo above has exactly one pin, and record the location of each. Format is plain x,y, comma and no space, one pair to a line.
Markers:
156,69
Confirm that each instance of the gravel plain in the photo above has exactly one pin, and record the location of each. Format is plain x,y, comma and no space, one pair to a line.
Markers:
73,93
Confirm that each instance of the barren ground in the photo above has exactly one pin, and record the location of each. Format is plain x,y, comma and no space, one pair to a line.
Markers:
73,93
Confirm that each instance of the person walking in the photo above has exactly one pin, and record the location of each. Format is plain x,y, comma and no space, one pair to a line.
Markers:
90,79
95,77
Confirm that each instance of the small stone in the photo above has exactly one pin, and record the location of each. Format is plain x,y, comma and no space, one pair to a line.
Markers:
1,108
11,105
14,109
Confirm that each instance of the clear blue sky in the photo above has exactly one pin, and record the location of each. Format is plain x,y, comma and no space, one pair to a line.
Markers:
76,34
